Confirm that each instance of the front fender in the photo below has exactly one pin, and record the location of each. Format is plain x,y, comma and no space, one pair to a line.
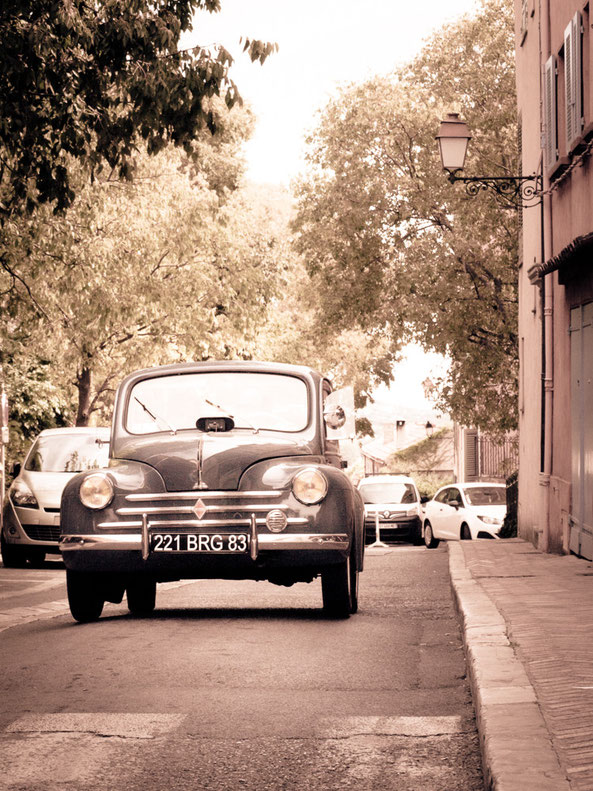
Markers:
127,477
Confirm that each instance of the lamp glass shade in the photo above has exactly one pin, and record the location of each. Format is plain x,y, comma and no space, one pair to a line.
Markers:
453,139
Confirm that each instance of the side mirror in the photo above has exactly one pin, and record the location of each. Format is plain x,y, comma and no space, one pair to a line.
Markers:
338,414
424,500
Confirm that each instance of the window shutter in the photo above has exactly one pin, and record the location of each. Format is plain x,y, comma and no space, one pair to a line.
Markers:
550,113
573,80
470,447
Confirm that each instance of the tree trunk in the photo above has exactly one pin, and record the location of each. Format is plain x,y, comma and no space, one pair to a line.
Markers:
84,381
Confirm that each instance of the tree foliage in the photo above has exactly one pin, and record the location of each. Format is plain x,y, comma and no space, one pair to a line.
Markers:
396,250
133,274
93,81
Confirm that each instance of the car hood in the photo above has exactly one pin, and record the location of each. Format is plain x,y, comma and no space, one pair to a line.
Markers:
372,507
46,486
211,461
497,511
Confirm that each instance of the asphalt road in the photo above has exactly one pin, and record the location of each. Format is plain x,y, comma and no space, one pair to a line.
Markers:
235,686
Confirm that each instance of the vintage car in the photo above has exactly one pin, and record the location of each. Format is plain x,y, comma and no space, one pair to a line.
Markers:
227,470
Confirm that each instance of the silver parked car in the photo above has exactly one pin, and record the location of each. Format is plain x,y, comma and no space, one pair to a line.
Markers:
31,517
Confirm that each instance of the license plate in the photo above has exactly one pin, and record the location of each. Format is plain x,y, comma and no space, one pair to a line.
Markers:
234,543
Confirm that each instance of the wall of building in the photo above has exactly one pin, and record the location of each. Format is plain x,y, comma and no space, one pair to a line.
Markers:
555,269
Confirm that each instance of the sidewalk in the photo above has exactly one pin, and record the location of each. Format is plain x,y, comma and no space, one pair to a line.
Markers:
528,629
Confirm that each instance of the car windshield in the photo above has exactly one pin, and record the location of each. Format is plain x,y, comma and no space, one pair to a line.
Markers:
274,402
68,453
387,492
486,495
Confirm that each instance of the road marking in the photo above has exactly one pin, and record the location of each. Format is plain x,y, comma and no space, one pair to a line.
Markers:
346,727
126,726
16,616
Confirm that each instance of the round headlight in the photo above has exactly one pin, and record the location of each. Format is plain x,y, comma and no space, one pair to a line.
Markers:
309,486
96,491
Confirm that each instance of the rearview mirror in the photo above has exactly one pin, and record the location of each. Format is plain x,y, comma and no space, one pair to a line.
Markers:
338,414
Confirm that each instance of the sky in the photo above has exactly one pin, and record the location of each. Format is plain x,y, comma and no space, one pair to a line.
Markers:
323,44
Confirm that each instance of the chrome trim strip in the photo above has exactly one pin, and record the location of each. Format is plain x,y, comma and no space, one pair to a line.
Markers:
229,523
272,541
205,495
145,538
189,509
253,545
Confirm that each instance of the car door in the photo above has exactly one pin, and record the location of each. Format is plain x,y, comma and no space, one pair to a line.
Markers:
452,513
436,511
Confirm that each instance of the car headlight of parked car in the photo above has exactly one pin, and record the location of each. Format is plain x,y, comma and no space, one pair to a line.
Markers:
309,486
490,520
96,491
21,495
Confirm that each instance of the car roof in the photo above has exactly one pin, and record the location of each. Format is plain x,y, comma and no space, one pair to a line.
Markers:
92,431
475,484
386,478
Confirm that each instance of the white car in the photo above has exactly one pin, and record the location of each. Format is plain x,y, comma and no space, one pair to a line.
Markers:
394,502
31,516
464,511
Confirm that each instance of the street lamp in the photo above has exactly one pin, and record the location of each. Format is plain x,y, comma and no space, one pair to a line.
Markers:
453,139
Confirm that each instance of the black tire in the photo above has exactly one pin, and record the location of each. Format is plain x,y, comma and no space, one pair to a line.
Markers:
430,542
141,596
339,587
85,596
465,534
13,557
417,539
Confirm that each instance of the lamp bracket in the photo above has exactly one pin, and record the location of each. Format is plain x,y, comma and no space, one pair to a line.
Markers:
525,191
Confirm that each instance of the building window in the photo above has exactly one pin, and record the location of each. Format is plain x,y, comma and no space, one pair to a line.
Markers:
573,80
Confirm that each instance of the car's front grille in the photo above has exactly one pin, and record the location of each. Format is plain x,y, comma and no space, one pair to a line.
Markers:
42,532
200,509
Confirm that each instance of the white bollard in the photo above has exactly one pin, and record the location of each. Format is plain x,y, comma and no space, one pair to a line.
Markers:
377,542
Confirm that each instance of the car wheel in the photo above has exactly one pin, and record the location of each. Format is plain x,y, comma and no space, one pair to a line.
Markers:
13,557
465,533
36,558
339,589
430,542
84,596
417,536
141,596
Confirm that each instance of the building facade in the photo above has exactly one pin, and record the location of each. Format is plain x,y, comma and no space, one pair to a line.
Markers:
555,103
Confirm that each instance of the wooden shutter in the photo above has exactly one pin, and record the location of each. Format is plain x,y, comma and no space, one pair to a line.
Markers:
550,113
573,82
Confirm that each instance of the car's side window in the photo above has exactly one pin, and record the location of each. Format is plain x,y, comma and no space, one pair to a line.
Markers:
454,496
442,496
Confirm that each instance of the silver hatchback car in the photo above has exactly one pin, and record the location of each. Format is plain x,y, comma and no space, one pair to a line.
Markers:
31,515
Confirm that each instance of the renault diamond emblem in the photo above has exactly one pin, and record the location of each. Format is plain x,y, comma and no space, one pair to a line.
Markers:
199,509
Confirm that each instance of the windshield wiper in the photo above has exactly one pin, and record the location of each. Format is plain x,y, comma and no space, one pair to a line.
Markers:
155,417
228,414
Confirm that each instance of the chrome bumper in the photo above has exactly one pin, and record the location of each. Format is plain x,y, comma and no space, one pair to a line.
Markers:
276,541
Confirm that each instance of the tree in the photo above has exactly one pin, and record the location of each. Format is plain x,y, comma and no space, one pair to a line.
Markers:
91,82
137,273
391,246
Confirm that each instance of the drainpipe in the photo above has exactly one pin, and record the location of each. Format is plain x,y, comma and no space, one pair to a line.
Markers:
548,326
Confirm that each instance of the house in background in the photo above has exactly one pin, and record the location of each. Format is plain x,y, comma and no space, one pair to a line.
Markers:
481,458
555,102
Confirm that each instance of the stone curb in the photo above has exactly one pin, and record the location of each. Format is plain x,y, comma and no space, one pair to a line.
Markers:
517,750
